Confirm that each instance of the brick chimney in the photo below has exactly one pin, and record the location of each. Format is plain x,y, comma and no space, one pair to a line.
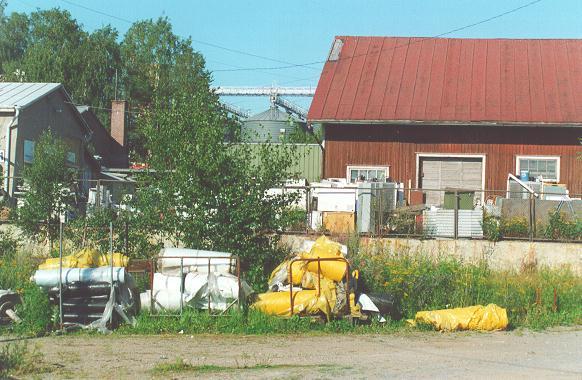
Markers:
118,108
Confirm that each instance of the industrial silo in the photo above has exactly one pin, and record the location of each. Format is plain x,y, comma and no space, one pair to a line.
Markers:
272,124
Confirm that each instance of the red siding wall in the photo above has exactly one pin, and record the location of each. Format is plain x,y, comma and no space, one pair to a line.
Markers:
397,147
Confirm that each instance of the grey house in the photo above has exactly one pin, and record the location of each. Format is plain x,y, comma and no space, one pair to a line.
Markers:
26,111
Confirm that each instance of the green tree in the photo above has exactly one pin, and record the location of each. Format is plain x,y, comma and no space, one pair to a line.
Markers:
157,65
49,181
50,46
208,193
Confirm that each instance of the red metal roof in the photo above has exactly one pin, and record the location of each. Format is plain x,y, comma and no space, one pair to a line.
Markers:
385,79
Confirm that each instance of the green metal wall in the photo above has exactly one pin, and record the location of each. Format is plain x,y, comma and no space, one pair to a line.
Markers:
310,161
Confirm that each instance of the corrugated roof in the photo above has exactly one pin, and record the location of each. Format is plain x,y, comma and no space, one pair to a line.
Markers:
451,80
20,95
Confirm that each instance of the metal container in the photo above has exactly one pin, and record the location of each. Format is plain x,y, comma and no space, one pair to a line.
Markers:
271,125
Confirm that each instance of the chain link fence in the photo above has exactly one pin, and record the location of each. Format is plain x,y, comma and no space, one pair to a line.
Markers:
384,209
543,213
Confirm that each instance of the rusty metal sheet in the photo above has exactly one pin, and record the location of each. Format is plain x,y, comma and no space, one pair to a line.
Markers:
404,100
354,74
367,78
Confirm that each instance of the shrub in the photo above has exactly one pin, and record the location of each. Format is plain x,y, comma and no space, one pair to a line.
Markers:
15,270
8,244
491,230
94,231
36,312
560,228
514,227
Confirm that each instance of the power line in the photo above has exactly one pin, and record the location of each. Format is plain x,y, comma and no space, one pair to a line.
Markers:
246,53
500,15
97,11
192,39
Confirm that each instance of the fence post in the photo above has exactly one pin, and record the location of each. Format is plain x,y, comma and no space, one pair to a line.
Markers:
61,273
531,221
98,195
308,212
379,226
456,222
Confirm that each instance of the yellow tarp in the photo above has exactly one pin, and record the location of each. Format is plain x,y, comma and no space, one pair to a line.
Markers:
486,318
305,302
119,260
325,248
86,258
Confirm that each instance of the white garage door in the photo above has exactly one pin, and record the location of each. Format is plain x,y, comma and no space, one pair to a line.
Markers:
449,172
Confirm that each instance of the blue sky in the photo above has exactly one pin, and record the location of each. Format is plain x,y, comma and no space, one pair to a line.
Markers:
302,31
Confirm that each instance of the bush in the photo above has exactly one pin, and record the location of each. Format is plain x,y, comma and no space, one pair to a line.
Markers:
560,228
95,230
36,312
420,282
8,244
491,230
514,227
15,270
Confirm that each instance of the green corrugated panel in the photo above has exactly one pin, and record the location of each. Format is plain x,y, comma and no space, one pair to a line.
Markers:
310,160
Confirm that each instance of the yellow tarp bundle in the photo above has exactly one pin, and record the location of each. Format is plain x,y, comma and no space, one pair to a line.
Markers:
486,318
325,248
305,302
86,258
309,300
119,260
281,273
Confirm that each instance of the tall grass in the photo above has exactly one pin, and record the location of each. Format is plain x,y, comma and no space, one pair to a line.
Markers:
16,268
423,282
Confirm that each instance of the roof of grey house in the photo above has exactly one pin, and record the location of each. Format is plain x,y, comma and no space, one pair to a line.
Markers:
21,95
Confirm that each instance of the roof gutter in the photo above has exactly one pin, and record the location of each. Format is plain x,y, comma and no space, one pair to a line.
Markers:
7,154
447,123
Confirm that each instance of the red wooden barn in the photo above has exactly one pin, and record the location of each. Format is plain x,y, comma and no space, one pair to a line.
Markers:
447,112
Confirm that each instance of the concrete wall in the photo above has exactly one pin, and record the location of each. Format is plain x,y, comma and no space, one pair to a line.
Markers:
503,255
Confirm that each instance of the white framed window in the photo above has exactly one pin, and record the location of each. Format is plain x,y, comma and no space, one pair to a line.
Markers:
28,151
367,173
546,167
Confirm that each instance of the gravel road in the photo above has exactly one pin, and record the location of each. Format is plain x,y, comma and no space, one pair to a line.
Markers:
516,354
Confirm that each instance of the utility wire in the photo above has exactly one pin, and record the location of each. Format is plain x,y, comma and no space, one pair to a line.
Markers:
246,53
97,11
192,39
497,16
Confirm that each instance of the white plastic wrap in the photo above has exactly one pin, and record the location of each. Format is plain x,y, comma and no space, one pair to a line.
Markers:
164,300
50,277
170,283
223,289
193,261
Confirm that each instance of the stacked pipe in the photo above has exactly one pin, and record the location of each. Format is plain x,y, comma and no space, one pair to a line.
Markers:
94,297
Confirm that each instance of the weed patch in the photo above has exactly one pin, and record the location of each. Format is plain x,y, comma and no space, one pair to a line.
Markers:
17,359
421,282
181,366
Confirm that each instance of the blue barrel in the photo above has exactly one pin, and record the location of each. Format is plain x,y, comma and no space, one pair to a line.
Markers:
524,175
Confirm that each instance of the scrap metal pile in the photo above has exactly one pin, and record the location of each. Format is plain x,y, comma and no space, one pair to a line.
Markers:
94,291
192,278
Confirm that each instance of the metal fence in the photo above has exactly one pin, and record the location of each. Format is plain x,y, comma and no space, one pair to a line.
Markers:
384,210
387,209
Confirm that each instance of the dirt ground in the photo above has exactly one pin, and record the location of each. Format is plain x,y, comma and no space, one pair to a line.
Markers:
517,354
